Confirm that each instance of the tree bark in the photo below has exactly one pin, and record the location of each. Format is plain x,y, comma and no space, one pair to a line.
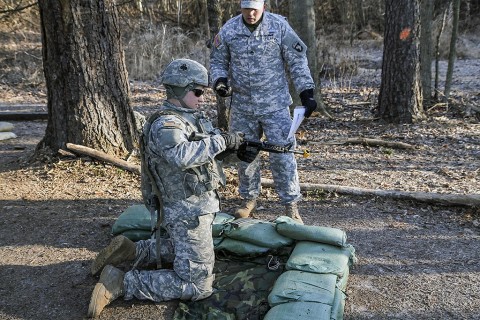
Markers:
86,78
400,98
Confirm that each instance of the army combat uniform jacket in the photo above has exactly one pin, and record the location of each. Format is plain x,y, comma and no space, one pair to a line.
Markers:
187,175
255,62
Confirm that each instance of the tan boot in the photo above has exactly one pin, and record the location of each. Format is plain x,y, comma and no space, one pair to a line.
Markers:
119,250
109,288
247,207
291,210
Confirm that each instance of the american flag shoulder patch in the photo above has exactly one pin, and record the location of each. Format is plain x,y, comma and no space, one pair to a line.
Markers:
172,124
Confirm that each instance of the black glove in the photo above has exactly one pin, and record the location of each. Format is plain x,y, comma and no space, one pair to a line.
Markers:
222,88
233,140
247,153
224,154
308,102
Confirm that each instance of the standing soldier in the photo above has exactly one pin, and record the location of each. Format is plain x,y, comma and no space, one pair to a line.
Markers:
248,62
185,174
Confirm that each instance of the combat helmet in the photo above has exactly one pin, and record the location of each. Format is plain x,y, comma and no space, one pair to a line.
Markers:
182,75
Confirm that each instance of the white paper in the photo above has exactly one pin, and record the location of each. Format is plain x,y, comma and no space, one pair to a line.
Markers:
298,116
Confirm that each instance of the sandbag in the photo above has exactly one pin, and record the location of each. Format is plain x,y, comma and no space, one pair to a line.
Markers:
240,248
220,222
135,217
321,258
338,306
137,235
5,126
299,286
7,135
299,311
257,232
288,227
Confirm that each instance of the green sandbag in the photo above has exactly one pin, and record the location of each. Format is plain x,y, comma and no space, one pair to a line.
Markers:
220,222
299,311
240,248
288,227
293,286
258,232
321,258
342,281
136,217
5,126
338,307
7,135
136,235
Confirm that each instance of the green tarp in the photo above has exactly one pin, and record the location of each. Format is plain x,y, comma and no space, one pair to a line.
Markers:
241,291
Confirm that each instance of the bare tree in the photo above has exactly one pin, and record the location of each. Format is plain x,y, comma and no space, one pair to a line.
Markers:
87,83
426,18
452,53
214,24
437,52
400,98
302,19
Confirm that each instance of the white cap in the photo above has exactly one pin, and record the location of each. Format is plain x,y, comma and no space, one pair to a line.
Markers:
252,4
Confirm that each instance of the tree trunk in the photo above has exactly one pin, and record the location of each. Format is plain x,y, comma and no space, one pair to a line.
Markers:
452,53
437,53
302,19
86,78
426,18
400,98
214,25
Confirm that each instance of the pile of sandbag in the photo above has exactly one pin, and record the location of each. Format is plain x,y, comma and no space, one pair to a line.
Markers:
313,285
5,131
316,272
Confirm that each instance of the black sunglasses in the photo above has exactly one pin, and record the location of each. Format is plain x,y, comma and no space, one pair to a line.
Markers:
198,92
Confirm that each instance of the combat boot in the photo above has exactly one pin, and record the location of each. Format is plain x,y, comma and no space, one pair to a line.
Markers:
291,210
109,288
119,250
246,208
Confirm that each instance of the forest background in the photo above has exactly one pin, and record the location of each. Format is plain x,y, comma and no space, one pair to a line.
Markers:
418,259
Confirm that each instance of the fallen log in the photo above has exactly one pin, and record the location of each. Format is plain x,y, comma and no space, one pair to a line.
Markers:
23,116
472,200
368,142
104,157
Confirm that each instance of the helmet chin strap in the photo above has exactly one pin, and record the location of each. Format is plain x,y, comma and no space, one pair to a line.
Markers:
171,92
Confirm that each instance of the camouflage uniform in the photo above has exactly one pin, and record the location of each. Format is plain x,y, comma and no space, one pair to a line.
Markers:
187,176
255,62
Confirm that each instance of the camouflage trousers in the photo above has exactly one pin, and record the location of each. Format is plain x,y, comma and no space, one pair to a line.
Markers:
190,249
275,126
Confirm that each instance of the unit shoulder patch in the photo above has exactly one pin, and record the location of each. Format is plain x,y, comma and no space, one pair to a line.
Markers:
298,47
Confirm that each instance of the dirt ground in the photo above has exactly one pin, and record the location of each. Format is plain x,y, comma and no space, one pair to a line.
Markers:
416,260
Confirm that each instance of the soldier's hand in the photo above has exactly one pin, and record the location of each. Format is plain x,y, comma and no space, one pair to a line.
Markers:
233,140
222,88
247,153
308,102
